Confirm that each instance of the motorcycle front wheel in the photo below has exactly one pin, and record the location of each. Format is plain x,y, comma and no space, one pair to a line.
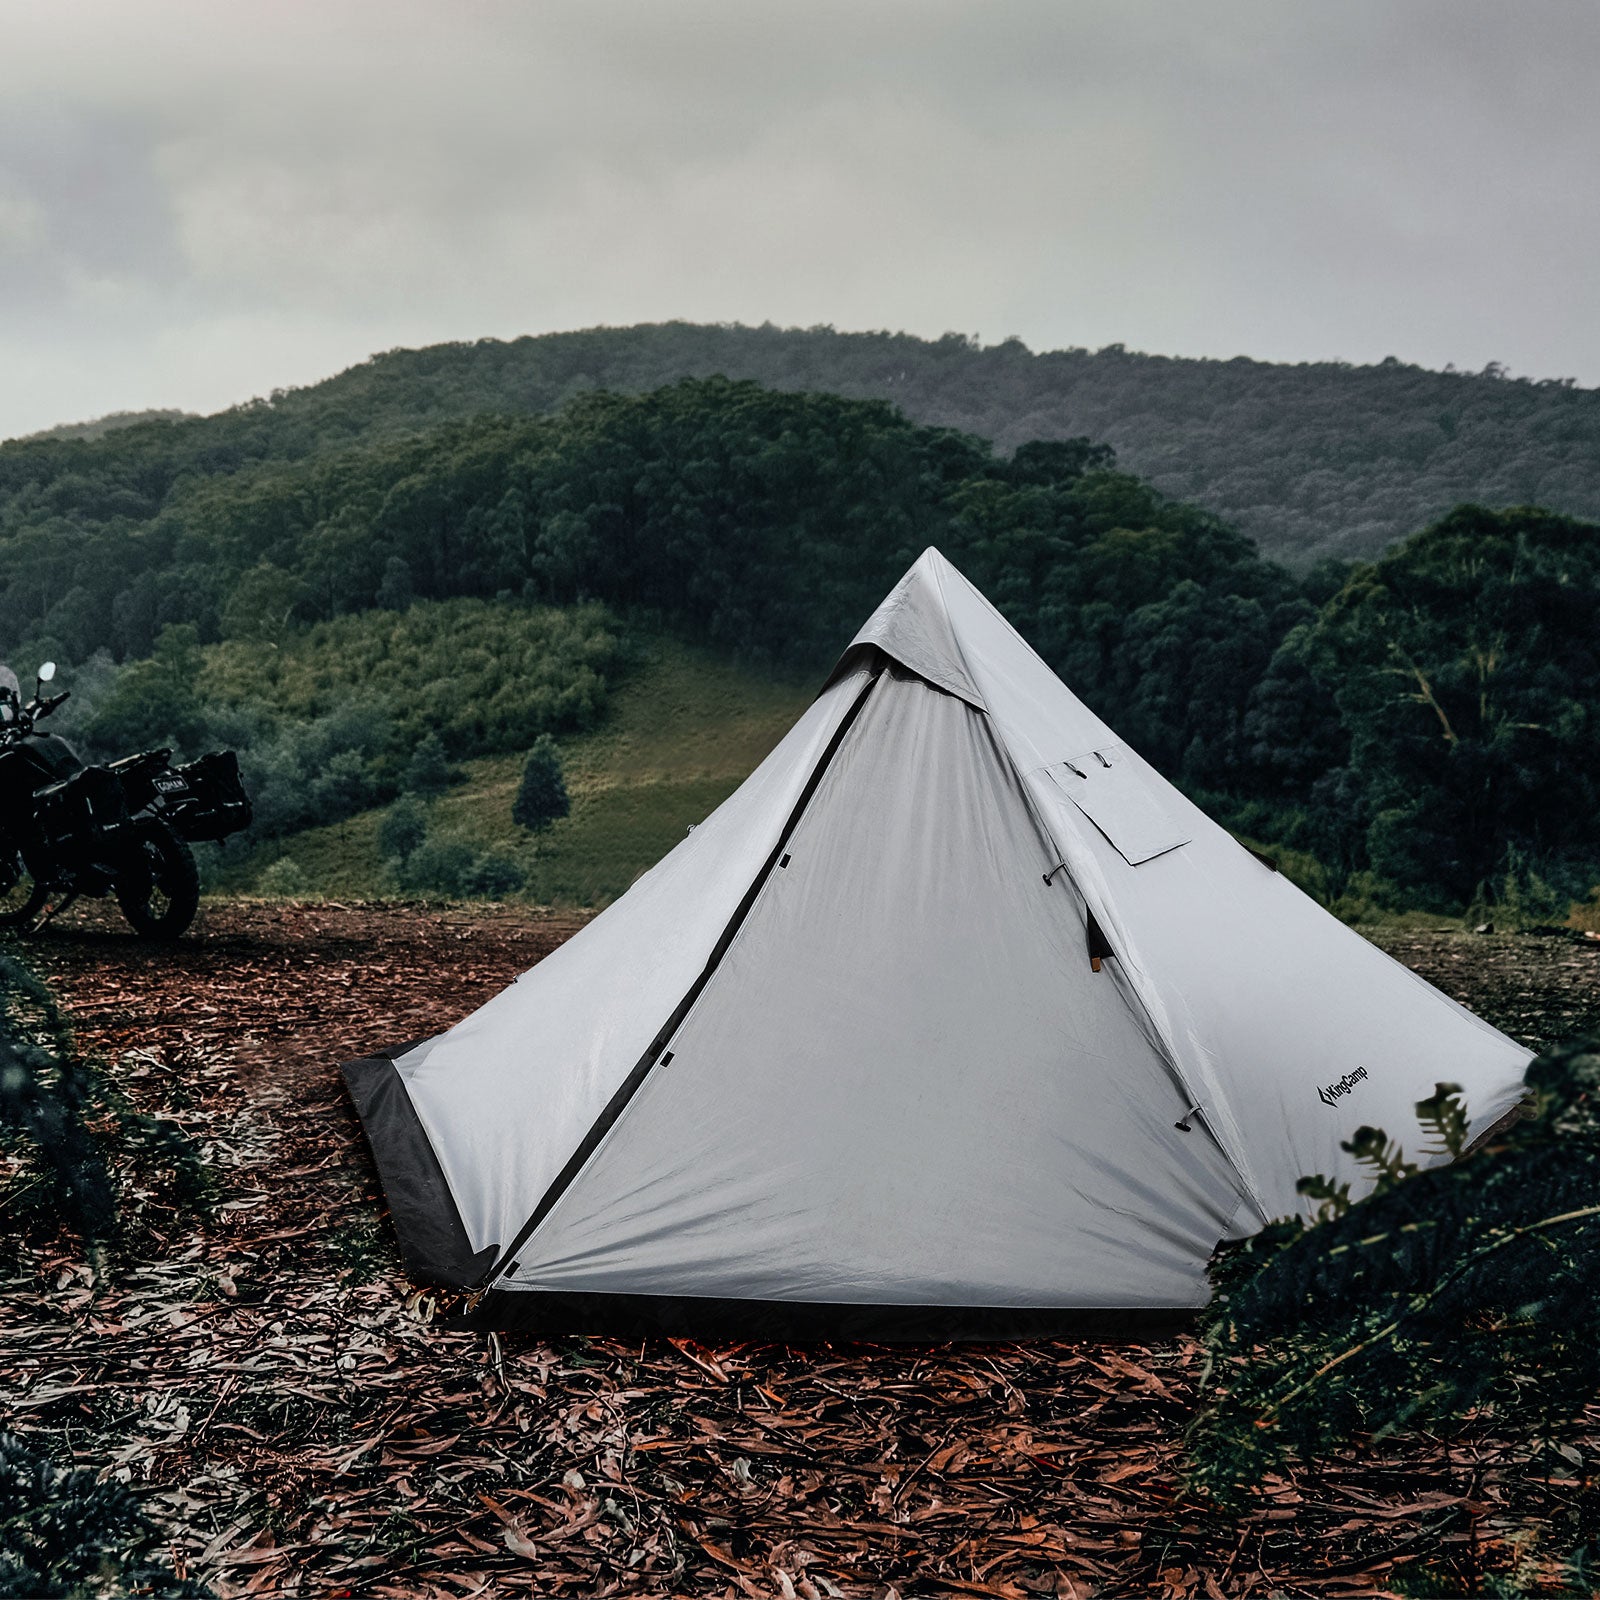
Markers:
21,898
159,888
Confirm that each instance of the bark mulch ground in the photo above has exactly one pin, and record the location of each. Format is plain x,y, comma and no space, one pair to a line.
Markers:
270,1381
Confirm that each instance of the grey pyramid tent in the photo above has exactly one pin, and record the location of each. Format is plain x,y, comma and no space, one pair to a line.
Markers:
954,1016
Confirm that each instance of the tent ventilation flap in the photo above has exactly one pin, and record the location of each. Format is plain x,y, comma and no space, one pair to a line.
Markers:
1108,789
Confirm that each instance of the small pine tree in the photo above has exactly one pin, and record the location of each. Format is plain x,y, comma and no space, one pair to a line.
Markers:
404,827
428,772
542,795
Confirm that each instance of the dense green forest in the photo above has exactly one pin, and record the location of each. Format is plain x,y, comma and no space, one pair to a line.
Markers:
1429,722
1309,460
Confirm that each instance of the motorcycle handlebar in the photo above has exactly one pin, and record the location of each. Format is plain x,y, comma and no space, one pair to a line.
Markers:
18,721
25,716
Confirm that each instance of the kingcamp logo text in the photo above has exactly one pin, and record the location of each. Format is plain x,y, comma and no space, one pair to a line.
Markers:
1333,1091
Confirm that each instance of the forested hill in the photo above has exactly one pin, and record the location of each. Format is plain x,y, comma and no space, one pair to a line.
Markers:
1312,460
450,577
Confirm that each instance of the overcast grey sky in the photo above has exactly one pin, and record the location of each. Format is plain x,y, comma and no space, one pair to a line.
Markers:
201,200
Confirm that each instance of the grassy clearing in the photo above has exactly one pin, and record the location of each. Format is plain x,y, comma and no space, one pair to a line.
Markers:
682,731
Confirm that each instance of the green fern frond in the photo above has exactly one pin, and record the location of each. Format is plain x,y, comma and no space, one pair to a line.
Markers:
1384,1158
1444,1115
1333,1198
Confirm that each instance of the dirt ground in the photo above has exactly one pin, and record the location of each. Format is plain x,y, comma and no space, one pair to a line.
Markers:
270,1381
1540,988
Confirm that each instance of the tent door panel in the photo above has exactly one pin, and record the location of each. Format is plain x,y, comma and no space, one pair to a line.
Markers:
657,1051
1108,789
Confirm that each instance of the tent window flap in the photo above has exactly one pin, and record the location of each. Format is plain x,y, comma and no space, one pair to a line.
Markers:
1107,788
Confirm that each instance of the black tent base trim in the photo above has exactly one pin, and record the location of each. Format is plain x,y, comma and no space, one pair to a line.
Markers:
433,1238
631,1316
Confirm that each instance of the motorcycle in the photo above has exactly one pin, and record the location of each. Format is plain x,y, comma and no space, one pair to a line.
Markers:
68,828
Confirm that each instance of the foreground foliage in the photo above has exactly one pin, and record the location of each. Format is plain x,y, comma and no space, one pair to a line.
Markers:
65,1533
75,1152
79,1158
1460,1298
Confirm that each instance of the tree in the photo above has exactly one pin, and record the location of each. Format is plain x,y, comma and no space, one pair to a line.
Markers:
1051,461
261,604
344,786
438,866
284,879
542,795
1466,666
493,877
155,702
404,827
395,593
428,772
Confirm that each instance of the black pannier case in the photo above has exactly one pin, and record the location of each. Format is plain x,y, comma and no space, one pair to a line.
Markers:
85,808
212,803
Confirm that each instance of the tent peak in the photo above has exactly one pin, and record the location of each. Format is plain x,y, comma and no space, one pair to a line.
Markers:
913,627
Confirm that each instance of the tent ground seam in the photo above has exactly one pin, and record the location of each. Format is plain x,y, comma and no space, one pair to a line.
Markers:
542,1311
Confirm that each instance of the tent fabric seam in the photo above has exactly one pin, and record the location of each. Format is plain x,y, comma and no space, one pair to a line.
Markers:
1163,1045
1170,1056
872,647
955,639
